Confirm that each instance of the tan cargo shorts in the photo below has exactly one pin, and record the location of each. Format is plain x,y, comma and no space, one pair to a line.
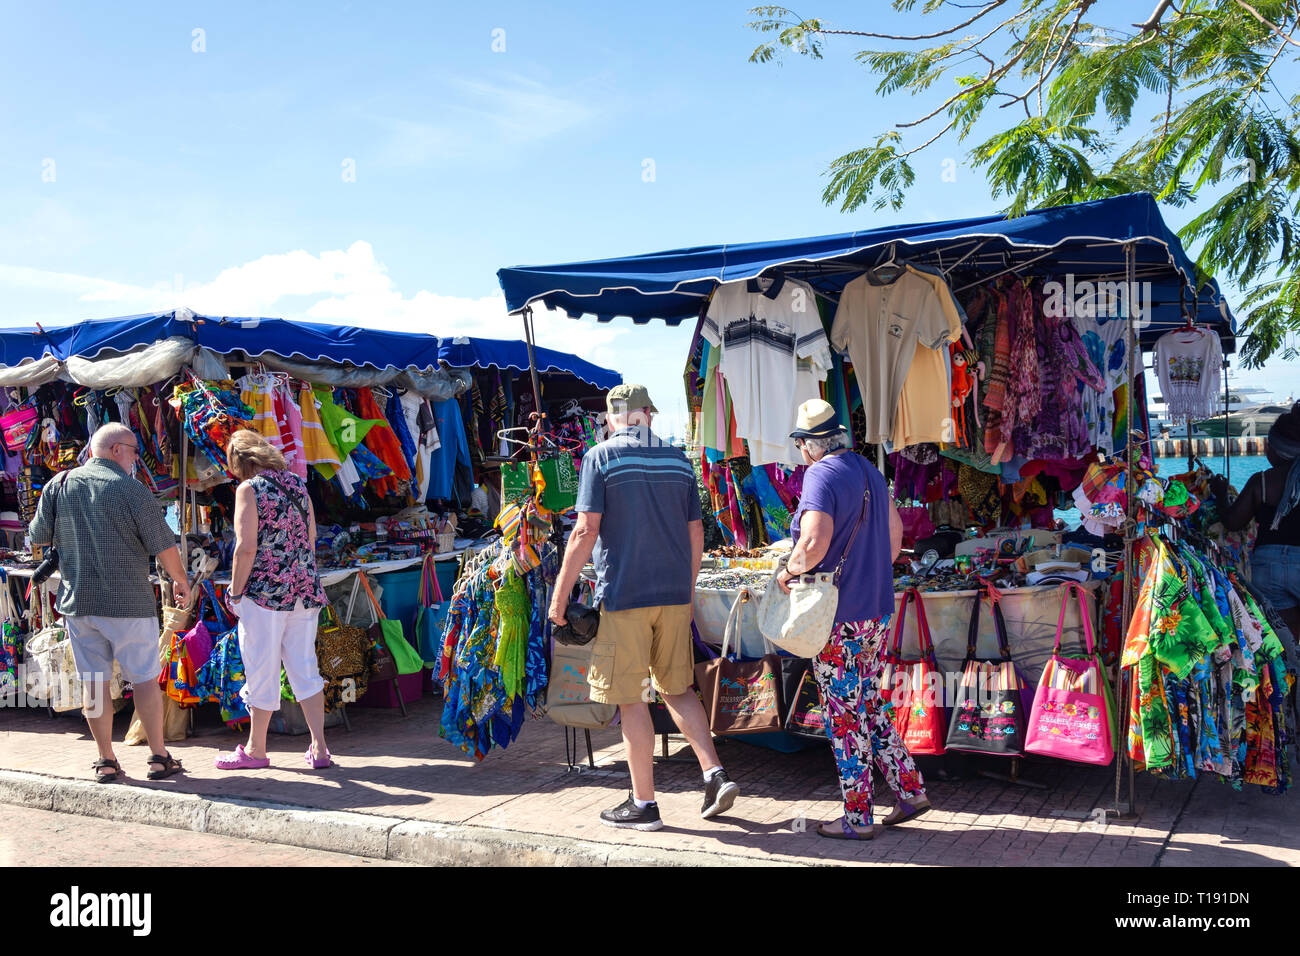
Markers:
639,651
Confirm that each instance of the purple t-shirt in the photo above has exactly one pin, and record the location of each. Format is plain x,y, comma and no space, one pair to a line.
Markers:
834,486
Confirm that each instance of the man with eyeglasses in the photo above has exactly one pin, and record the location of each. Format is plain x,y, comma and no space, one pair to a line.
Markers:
106,526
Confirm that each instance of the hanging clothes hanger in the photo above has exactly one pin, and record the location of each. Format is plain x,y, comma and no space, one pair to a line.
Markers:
891,262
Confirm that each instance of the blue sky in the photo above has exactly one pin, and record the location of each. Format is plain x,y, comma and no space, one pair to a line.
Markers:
138,172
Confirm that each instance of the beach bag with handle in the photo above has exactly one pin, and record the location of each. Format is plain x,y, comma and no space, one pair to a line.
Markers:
388,633
800,622
914,686
741,697
1071,717
568,696
988,716
431,618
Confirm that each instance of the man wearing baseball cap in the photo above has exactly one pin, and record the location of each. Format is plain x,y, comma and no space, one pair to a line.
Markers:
639,522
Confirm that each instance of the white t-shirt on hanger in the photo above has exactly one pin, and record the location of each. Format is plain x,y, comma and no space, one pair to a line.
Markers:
764,327
1187,365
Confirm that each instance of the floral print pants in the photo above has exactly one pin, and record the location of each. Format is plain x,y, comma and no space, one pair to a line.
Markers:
848,673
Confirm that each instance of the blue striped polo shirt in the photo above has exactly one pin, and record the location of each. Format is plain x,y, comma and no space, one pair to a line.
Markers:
644,490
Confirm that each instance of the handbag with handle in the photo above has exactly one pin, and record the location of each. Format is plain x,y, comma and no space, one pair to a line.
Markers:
988,716
16,425
740,697
568,696
1071,717
806,713
800,622
431,618
388,633
914,686
344,655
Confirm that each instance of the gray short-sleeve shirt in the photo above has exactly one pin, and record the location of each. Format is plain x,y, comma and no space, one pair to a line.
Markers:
108,526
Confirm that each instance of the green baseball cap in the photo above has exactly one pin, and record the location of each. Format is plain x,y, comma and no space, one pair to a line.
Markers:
628,398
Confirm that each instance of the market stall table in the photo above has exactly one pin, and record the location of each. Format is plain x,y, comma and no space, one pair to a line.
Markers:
1031,614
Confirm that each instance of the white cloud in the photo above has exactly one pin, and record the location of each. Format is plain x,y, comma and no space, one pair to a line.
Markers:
342,286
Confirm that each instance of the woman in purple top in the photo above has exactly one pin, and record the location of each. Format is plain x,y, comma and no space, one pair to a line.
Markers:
276,591
848,669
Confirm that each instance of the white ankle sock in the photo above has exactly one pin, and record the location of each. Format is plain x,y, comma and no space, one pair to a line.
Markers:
708,774
642,804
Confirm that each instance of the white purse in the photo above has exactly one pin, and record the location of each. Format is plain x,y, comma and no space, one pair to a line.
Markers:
800,622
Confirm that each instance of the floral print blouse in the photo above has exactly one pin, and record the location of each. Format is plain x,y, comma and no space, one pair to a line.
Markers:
284,570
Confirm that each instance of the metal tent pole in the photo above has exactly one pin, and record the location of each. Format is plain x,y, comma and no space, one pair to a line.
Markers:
1134,357
1227,438
181,495
532,360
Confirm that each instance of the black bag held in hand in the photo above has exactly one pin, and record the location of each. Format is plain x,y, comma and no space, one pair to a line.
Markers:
580,626
51,562
988,716
806,716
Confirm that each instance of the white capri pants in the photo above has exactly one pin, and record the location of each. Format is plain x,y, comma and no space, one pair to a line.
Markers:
269,638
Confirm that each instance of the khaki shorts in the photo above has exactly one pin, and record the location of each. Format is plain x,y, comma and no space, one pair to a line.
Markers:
633,647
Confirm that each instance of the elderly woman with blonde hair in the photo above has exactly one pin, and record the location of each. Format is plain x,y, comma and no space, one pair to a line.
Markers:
276,591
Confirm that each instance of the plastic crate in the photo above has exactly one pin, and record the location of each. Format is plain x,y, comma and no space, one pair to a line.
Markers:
381,694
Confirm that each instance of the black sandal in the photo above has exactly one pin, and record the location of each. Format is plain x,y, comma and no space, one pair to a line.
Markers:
170,765
103,762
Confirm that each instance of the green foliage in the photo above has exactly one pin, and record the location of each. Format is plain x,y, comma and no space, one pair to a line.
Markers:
1224,133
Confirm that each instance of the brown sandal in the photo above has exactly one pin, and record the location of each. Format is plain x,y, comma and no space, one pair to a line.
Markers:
102,763
170,765
847,831
905,811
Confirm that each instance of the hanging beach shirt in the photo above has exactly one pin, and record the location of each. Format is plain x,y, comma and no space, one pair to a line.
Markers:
452,451
317,446
290,414
1187,365
426,440
763,326
880,325
1106,341
383,443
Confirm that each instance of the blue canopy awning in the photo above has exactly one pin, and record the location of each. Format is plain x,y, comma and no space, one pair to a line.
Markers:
473,352
289,340
301,341
1086,239
85,339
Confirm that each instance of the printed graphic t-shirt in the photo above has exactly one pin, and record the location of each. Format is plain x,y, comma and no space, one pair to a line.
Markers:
1187,364
764,326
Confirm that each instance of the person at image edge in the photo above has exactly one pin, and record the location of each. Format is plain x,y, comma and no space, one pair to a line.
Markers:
106,525
639,521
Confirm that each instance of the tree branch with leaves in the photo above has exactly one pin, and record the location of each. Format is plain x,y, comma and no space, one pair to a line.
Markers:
1221,133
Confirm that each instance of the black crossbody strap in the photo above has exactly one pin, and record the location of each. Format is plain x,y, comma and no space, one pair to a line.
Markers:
293,499
866,500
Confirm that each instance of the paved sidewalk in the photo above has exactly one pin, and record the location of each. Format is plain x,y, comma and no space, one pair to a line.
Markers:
42,838
418,798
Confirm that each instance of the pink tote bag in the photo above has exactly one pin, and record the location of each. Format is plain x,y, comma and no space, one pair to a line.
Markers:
1069,719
